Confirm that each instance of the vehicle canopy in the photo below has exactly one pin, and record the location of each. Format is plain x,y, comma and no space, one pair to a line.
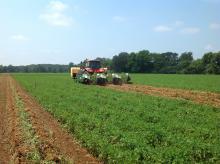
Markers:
93,64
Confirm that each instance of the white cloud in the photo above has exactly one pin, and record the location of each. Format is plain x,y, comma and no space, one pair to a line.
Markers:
177,26
209,47
19,37
162,28
119,18
214,26
57,6
55,15
190,30
57,19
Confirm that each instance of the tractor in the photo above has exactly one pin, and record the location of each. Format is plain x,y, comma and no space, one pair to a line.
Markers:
93,73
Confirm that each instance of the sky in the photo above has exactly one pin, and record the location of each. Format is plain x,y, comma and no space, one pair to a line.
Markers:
63,31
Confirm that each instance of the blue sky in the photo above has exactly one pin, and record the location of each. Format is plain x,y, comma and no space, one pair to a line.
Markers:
63,31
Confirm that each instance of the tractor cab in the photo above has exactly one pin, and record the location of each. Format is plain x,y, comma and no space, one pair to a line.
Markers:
94,66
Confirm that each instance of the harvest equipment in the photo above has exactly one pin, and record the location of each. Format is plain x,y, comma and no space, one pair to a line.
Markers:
93,73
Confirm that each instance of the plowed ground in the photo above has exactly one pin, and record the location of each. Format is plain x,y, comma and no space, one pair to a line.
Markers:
54,141
208,98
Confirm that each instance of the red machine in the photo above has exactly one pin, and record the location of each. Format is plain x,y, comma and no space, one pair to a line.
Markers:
93,73
94,66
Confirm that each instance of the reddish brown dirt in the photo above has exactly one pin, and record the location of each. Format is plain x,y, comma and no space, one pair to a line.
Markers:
54,140
212,99
12,148
4,143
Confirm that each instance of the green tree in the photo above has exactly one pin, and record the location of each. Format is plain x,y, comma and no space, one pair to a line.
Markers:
185,60
70,65
132,63
212,62
120,62
216,63
144,61
105,62
166,62
196,67
1,68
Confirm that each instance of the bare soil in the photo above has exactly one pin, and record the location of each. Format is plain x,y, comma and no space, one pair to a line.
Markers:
208,98
11,144
4,143
54,140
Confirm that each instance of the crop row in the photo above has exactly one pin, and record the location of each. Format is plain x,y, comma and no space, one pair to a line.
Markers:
128,127
209,83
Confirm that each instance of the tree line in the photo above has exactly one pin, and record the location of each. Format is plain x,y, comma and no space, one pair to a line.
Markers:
34,68
169,62
139,62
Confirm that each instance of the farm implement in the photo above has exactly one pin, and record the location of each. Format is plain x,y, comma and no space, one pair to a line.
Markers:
93,73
